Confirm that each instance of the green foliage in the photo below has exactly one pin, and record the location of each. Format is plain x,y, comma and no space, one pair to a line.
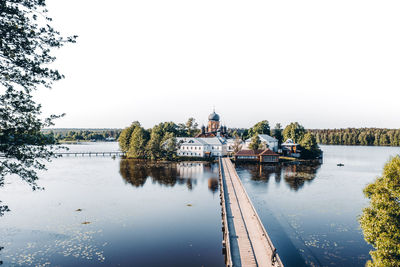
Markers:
137,146
156,143
309,146
169,146
381,220
277,133
245,134
294,131
27,41
354,136
192,127
255,143
261,127
125,136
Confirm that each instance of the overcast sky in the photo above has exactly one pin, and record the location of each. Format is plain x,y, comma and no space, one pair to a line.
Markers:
325,64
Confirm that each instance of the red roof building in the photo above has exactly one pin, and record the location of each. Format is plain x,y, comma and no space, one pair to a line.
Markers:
266,155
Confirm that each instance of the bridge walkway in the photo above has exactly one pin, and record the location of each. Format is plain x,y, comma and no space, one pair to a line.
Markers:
249,243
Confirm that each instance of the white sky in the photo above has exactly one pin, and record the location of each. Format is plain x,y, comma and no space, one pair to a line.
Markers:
325,64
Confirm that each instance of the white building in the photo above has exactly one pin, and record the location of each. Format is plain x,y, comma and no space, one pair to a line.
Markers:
269,141
230,144
201,147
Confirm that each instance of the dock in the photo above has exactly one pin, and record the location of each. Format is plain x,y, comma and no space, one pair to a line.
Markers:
245,240
90,154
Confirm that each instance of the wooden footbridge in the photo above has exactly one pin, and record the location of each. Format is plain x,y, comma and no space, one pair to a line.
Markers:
90,154
246,242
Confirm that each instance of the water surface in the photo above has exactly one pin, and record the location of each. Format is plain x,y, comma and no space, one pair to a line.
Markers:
311,212
111,212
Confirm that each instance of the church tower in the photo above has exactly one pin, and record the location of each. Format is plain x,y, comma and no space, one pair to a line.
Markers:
213,122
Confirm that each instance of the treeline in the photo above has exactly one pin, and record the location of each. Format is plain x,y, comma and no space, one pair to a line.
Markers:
357,136
82,134
158,142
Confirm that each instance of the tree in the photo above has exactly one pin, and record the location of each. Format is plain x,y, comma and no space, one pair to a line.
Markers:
277,133
261,127
191,127
309,146
169,146
255,143
237,144
137,146
153,147
245,134
294,131
380,221
26,43
125,136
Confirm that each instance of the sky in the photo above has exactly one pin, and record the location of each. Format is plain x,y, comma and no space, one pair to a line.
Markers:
325,64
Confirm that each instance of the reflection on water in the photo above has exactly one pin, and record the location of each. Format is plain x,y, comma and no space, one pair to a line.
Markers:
163,214
294,174
311,211
136,173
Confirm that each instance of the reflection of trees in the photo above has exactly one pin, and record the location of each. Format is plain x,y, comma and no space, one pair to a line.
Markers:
132,172
262,172
3,209
296,175
1,248
136,173
213,184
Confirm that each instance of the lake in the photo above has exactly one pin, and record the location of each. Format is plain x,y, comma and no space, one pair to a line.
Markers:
113,212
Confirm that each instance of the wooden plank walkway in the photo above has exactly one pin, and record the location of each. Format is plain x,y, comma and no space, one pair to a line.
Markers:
246,241
100,153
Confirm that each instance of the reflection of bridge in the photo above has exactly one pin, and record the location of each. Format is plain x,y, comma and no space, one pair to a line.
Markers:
112,153
246,242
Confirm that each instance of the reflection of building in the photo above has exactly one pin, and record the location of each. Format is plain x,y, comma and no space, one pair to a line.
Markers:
290,148
190,169
269,142
266,155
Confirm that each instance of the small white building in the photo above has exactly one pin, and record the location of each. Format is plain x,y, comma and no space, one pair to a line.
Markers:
201,147
291,148
269,141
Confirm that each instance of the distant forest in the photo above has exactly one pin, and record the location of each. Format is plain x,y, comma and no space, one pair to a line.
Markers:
357,136
76,134
348,136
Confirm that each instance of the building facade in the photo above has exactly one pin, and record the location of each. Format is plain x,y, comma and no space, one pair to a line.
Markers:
201,147
260,155
269,142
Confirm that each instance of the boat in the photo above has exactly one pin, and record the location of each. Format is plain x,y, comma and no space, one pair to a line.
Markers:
340,164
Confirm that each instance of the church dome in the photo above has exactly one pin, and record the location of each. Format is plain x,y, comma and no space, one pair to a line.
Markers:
213,117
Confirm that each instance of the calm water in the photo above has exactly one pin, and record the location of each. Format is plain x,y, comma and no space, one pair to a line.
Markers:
132,214
311,212
112,212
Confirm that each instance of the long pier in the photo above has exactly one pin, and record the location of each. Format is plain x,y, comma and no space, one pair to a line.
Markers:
246,242
90,154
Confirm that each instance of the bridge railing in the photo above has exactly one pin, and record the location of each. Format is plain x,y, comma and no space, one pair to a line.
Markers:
225,230
99,153
278,259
